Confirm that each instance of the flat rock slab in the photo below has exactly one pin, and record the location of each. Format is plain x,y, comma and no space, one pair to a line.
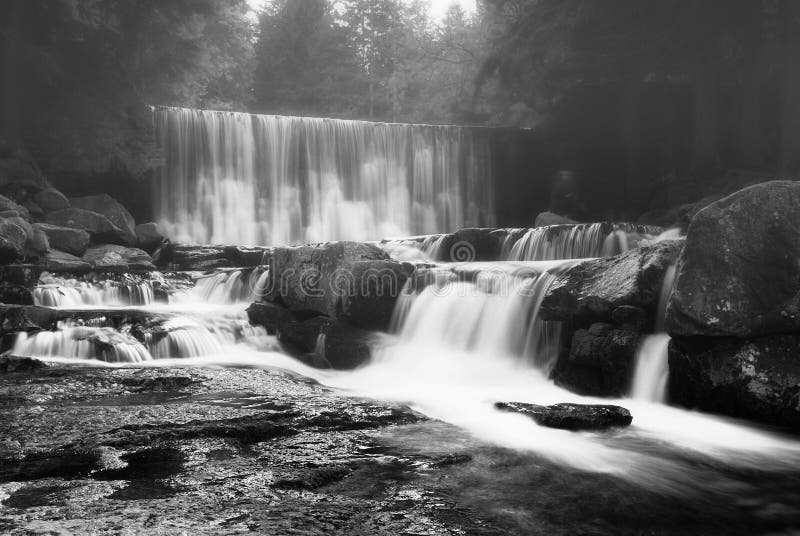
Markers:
571,416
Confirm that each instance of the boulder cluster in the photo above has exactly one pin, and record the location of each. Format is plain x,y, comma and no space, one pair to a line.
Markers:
42,226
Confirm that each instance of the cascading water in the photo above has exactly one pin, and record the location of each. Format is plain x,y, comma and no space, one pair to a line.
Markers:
59,292
652,368
259,179
578,241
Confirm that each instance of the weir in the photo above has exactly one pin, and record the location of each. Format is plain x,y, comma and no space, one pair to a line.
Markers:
238,178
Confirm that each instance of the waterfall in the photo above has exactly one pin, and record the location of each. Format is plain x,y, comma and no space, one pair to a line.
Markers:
579,241
84,342
652,367
72,293
494,314
238,178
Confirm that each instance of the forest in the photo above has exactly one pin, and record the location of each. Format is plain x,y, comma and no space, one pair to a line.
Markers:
658,99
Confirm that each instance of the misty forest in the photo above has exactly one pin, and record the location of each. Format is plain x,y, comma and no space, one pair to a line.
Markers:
381,267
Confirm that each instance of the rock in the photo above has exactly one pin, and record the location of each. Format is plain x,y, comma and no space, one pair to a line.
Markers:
148,236
7,207
376,286
40,244
630,318
15,294
247,255
113,257
345,347
601,361
755,379
72,241
270,316
98,226
571,416
315,278
11,364
195,257
551,218
474,244
50,200
25,275
35,210
110,208
592,290
12,241
738,274
60,262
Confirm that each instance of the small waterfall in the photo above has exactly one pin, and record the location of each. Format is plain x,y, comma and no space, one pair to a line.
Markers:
238,178
579,241
494,312
652,366
73,293
82,342
227,287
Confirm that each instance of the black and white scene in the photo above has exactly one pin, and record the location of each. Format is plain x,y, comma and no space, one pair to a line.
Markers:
400,267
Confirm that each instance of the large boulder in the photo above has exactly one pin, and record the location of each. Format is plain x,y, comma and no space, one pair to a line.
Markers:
60,262
73,241
50,200
316,278
601,361
13,241
343,346
574,417
98,226
377,284
116,258
738,274
590,291
473,244
110,208
756,379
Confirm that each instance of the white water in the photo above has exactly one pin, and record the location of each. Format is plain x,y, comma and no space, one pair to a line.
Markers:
237,178
60,292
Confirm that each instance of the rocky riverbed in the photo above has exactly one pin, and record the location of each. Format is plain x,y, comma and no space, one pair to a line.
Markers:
238,450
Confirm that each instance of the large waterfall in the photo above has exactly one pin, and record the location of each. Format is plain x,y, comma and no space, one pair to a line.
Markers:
261,179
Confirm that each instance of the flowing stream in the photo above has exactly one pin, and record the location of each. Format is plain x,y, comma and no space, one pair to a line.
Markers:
459,345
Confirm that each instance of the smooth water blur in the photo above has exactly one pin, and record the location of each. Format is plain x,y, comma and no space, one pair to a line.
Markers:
237,178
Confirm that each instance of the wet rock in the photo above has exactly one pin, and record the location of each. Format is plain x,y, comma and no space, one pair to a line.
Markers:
9,208
630,318
100,228
110,208
196,257
755,379
600,362
112,257
25,275
11,364
148,236
474,244
247,256
62,262
40,244
345,347
591,290
34,210
551,218
15,294
314,478
50,200
67,239
315,278
738,274
270,316
572,416
12,241
376,286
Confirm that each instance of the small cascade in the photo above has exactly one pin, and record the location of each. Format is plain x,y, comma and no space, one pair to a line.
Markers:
183,336
59,292
227,287
579,241
81,342
652,358
493,312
